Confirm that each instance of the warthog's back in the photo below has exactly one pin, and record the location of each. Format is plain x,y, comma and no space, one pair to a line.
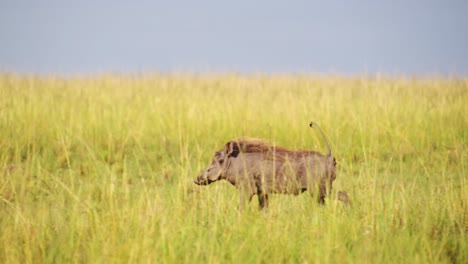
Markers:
255,145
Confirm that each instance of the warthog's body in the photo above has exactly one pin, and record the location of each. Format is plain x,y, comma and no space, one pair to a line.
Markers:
256,167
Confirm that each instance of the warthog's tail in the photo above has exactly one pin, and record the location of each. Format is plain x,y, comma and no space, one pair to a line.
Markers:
312,124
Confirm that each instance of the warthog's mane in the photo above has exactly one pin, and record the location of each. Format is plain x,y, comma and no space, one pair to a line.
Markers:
255,145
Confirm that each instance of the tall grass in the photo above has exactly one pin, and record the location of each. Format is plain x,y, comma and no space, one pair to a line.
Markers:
100,169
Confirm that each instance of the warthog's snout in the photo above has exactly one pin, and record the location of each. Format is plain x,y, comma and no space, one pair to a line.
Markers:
203,179
197,181
213,172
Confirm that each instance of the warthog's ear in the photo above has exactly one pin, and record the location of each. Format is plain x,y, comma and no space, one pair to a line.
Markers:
232,149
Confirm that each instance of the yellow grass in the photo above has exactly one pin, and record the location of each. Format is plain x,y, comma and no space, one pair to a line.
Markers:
100,169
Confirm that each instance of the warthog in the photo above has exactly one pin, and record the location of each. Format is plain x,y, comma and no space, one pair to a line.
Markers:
256,167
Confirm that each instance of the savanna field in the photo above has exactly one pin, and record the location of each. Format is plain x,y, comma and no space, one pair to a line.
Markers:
101,169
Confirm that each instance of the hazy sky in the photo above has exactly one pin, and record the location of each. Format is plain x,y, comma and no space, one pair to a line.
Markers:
348,37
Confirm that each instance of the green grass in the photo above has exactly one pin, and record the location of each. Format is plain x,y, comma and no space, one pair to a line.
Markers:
99,170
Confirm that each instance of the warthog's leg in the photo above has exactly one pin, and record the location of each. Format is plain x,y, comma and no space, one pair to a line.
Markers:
262,196
263,200
330,187
343,196
322,192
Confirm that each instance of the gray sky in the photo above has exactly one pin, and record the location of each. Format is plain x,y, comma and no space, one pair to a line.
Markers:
344,37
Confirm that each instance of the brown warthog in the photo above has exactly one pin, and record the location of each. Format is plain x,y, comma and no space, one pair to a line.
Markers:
257,167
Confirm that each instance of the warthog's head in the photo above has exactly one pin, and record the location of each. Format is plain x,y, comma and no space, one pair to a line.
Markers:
214,171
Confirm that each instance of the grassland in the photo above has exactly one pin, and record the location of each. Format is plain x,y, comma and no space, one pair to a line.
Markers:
100,169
